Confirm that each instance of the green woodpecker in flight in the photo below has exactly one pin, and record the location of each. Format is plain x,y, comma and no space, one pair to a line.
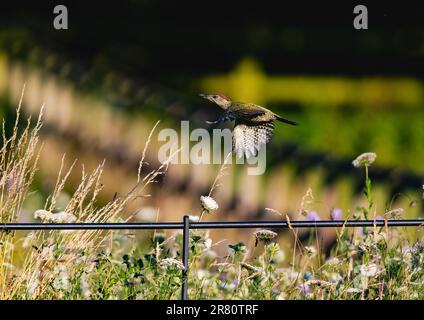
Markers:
253,124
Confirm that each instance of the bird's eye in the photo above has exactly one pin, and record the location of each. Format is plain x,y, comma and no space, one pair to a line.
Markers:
215,97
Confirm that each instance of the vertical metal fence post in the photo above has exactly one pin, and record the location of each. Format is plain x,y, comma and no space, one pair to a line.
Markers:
186,240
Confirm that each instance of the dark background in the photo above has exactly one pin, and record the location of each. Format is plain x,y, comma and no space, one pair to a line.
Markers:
157,39
152,58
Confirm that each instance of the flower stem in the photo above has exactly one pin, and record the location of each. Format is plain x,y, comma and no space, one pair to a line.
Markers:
201,215
367,192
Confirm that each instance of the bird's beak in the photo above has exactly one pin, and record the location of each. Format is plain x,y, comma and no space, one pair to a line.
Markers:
205,96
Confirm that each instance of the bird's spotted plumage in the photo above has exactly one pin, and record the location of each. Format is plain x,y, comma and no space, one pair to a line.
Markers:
249,138
253,124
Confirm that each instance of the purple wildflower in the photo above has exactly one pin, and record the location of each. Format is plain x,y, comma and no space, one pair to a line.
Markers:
336,214
312,215
304,288
406,250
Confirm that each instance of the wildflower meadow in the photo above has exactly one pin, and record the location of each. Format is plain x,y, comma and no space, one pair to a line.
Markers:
363,263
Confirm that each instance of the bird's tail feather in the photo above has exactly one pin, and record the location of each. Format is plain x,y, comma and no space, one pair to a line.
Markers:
286,121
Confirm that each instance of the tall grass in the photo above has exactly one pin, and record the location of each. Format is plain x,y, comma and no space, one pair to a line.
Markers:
364,263
50,255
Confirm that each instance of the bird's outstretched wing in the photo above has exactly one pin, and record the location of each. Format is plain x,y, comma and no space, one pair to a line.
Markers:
249,137
247,110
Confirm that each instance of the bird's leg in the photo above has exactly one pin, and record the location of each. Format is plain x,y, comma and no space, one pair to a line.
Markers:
213,122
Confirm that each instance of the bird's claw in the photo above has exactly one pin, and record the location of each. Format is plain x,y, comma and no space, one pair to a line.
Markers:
212,122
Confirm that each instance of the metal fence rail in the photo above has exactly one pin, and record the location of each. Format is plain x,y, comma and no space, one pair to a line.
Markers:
186,225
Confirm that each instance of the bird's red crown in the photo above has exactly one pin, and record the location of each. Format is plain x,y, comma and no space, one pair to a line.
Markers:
223,96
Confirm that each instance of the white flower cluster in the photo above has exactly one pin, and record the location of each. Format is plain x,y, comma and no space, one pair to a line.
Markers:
171,262
85,287
29,239
369,270
193,218
310,251
333,262
61,280
364,160
208,203
47,253
54,217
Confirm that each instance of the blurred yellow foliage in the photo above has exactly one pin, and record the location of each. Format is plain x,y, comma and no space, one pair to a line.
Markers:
248,82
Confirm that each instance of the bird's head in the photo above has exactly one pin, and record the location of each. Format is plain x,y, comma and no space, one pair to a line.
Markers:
218,98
